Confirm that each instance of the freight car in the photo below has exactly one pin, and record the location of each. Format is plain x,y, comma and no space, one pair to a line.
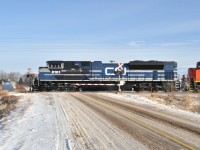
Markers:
194,78
87,75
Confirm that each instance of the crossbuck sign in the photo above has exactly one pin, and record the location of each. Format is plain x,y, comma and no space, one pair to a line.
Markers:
116,70
120,68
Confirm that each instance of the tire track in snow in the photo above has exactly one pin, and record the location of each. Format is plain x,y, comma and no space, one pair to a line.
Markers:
95,130
62,141
80,137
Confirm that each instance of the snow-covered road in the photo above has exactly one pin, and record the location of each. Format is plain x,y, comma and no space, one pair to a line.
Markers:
55,121
32,126
41,123
59,121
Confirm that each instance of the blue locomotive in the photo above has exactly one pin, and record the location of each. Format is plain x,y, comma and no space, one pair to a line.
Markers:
79,75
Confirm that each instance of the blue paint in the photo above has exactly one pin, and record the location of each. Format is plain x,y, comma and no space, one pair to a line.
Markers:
106,71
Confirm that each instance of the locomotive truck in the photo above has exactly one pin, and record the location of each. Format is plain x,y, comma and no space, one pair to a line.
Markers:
87,75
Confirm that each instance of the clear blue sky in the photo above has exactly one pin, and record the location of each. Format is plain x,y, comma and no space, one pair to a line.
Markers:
34,31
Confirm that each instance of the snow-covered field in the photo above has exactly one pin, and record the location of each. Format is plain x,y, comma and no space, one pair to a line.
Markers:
140,99
40,123
31,126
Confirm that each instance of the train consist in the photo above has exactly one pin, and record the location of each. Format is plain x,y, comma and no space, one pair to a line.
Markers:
194,78
87,75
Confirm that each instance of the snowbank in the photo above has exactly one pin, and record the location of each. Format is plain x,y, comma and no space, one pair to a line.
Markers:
29,127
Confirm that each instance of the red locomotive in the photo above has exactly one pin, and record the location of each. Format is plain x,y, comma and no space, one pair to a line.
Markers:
194,77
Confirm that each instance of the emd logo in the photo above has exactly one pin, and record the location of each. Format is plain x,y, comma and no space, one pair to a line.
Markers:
113,71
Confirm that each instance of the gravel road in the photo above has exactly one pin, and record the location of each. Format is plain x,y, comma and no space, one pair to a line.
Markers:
95,120
100,122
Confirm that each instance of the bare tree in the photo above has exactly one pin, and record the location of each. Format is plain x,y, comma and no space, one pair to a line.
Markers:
13,76
3,75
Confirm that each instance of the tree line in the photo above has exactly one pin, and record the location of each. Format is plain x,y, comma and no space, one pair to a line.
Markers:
13,76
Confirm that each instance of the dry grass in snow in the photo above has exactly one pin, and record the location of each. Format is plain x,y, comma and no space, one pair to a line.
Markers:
20,89
9,102
186,101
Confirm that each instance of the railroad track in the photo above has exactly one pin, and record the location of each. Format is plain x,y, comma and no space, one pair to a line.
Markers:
121,114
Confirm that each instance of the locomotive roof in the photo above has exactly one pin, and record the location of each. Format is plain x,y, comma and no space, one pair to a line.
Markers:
135,62
55,61
61,61
151,62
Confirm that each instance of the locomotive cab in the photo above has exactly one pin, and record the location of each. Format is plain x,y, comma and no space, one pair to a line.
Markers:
55,64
